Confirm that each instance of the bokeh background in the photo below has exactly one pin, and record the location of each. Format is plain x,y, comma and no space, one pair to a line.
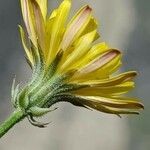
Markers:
124,24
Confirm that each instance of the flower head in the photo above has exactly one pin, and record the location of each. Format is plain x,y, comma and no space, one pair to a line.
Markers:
68,66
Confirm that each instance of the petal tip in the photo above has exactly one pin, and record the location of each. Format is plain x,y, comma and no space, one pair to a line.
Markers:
88,8
116,51
134,73
141,106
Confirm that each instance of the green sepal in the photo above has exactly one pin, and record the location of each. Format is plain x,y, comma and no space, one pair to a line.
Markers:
36,123
71,98
70,87
23,100
14,93
13,88
53,66
35,53
38,112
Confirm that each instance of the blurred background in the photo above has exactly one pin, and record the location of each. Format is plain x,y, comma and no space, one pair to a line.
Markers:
124,24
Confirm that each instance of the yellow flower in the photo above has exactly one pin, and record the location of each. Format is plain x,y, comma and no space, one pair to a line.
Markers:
68,66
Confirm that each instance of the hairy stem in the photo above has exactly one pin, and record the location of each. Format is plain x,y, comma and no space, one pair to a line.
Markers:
14,118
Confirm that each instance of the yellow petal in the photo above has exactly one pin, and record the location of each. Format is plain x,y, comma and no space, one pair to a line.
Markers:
119,102
53,14
28,17
58,29
106,70
101,63
39,24
76,27
97,50
112,110
27,50
121,78
110,90
112,105
49,25
43,7
80,49
92,25
94,52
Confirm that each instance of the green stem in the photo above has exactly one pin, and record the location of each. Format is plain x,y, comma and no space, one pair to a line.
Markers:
14,118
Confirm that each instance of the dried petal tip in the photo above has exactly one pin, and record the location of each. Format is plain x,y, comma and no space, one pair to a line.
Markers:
141,106
116,51
88,8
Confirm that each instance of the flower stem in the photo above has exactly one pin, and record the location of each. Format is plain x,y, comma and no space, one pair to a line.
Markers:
14,118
